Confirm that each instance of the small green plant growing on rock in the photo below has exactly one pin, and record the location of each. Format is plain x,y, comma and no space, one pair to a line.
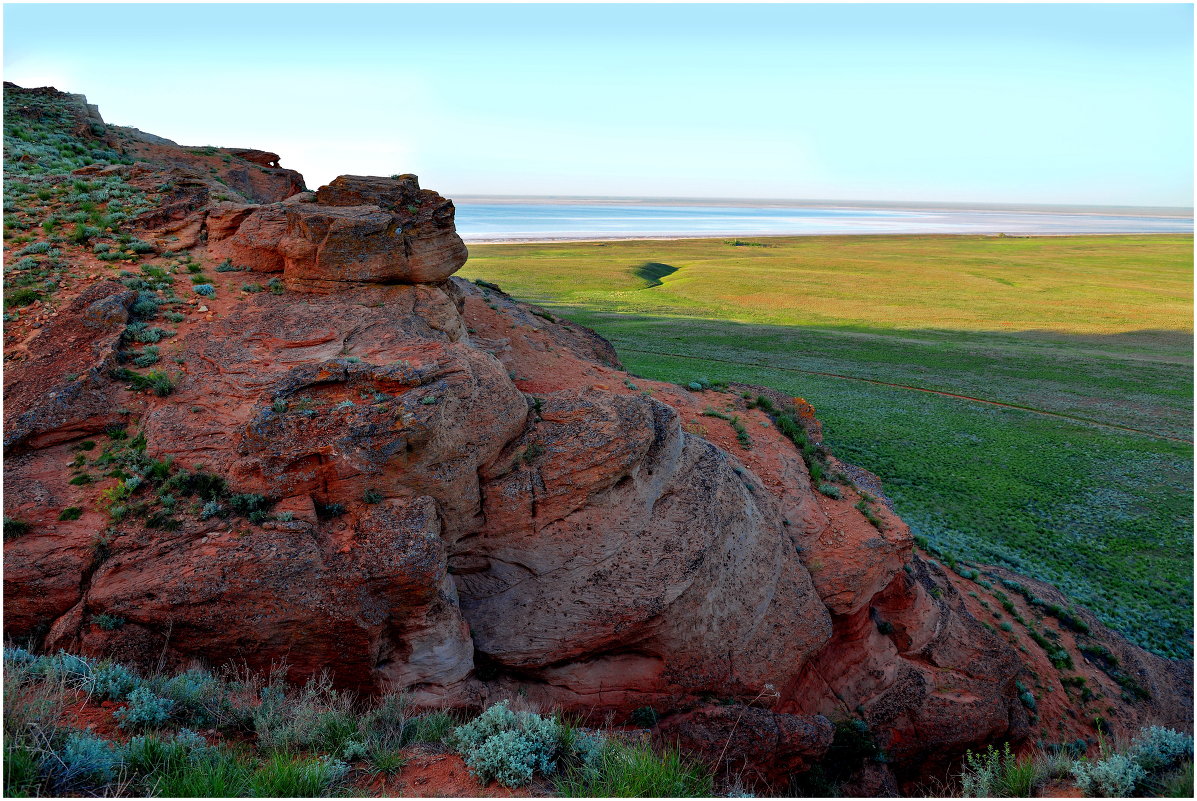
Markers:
327,511
646,717
108,622
864,506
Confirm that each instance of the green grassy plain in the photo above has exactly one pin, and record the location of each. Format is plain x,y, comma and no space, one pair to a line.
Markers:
1088,484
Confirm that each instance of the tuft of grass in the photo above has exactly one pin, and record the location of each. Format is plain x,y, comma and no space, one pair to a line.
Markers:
20,297
285,776
1178,784
218,773
71,513
14,528
622,770
433,728
864,507
22,773
385,760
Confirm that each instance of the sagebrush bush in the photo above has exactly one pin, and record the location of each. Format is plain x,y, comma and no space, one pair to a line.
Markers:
83,760
63,665
510,757
317,717
511,746
112,682
1158,748
145,710
1112,777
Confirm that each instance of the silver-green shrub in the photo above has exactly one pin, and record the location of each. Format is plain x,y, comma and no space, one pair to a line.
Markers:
1157,748
144,710
508,746
112,682
1112,777
84,759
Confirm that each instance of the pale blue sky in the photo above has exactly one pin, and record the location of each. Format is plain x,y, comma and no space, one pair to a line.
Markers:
998,103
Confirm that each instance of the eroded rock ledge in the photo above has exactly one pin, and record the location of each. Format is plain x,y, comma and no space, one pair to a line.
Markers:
355,230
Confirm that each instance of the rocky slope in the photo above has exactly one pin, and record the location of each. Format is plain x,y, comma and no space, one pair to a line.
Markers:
418,483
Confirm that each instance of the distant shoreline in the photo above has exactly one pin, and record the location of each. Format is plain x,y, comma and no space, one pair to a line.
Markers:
541,240
1179,212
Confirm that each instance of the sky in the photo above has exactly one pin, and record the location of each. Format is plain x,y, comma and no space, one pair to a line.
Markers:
1068,104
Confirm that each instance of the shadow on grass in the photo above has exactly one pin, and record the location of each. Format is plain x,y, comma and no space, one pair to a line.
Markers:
651,272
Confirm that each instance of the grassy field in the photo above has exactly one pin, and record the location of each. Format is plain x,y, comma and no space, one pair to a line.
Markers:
1087,483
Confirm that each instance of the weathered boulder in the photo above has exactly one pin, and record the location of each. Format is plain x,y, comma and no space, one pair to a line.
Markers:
610,531
369,600
249,236
924,674
260,157
337,430
358,230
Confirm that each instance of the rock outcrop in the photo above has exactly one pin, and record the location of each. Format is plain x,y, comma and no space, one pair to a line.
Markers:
356,230
418,483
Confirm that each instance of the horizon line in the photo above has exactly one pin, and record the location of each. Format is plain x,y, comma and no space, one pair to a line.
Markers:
1160,210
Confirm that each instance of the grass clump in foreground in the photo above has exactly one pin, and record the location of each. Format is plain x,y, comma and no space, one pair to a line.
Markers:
622,770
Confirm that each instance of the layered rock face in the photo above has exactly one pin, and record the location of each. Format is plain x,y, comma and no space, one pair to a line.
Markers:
451,494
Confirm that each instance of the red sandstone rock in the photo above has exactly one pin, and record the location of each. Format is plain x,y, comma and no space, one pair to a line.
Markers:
63,391
359,230
752,743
